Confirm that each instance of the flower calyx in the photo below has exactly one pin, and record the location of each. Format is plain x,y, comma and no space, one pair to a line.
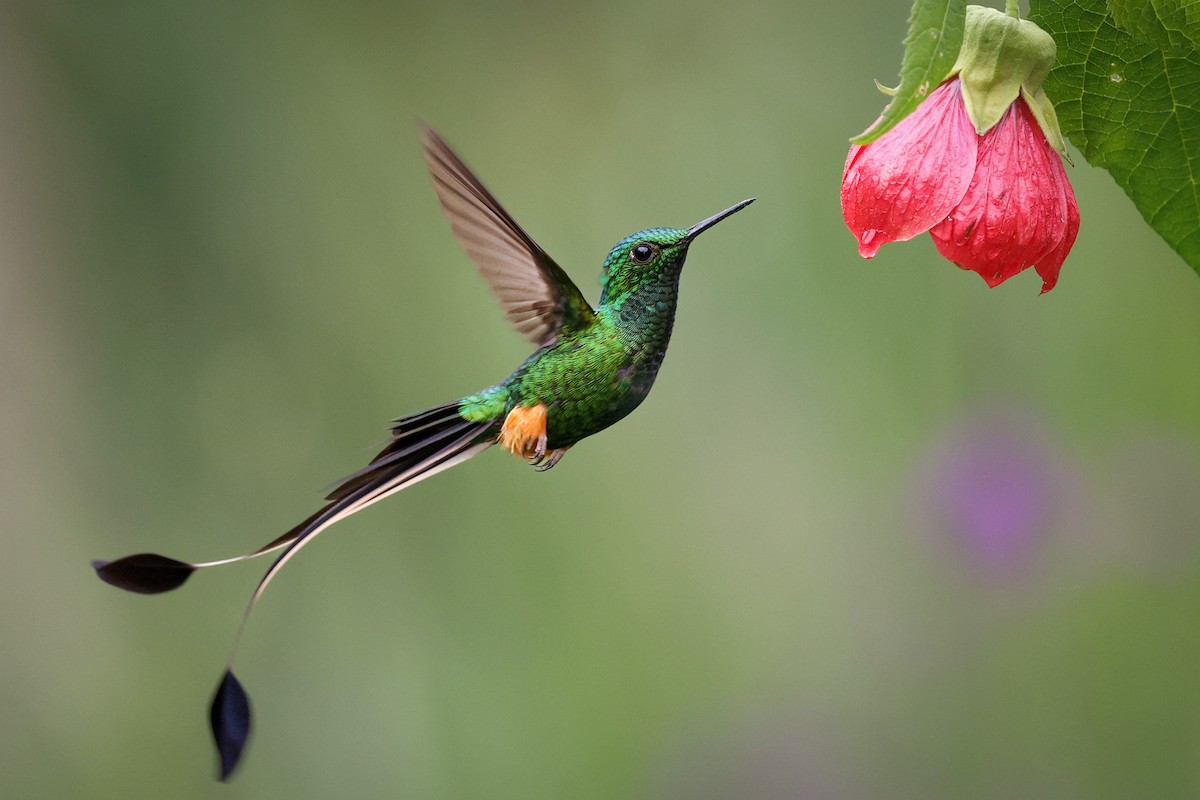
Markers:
1003,57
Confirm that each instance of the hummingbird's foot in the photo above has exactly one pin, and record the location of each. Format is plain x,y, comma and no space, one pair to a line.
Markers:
549,459
539,451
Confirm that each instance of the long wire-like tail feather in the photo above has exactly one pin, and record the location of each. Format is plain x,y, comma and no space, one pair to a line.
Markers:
422,445
415,453
371,487
426,437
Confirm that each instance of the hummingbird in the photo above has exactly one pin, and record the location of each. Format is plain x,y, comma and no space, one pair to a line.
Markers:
592,367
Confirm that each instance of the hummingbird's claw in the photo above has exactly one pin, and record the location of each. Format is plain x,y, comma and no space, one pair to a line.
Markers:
552,458
535,450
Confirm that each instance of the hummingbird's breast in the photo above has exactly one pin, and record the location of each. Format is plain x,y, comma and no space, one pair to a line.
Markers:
592,379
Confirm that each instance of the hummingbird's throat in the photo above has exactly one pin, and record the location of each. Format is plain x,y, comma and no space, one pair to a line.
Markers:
524,435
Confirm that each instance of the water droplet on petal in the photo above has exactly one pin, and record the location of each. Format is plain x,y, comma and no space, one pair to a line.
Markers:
866,246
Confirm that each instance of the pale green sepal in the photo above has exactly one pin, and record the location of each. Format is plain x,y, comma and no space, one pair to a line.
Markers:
1000,56
888,90
1047,119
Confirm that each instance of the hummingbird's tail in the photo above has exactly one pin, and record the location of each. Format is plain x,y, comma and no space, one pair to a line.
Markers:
421,446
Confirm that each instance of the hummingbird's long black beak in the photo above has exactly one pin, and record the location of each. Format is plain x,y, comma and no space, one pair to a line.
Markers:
700,227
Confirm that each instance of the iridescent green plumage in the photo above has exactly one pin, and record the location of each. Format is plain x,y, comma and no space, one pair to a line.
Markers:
593,375
591,368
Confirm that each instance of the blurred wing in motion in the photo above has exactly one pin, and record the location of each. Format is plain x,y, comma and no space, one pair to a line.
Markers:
537,296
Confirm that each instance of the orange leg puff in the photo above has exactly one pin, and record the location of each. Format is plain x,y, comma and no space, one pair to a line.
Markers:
524,435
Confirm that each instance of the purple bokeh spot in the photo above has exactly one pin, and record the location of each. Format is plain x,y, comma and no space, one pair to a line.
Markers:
991,489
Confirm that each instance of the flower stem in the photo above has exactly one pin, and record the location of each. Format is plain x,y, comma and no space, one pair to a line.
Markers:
1010,8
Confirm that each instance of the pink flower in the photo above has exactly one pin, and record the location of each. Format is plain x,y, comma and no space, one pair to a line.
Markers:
995,203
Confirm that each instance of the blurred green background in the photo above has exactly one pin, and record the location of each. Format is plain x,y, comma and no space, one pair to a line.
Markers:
879,532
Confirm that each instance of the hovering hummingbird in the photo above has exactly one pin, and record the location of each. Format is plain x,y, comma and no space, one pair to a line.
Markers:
592,367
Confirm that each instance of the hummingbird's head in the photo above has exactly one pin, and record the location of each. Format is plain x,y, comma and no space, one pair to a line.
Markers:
653,256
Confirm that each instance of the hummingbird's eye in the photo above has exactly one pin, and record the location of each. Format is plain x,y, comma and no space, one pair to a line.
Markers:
643,253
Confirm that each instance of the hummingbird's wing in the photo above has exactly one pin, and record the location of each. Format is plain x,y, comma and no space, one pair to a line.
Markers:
537,296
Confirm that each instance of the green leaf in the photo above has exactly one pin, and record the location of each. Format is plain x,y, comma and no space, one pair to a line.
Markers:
935,32
1127,91
1167,23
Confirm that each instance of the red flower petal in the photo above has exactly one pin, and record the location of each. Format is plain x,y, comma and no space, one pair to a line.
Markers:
1017,211
909,179
1052,262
